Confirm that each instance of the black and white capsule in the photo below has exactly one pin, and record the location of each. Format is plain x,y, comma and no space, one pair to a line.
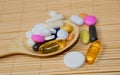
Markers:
93,33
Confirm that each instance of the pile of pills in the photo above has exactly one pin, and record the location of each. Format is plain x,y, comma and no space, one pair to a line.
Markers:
51,35
75,60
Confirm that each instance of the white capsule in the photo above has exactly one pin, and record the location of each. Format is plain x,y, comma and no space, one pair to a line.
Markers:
55,18
56,24
30,42
62,34
76,19
53,13
29,34
49,37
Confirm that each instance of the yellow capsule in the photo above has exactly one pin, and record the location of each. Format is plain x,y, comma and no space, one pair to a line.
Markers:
67,27
52,46
93,52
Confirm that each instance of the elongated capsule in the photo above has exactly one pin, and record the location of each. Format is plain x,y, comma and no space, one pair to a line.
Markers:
93,33
52,46
56,24
93,52
55,18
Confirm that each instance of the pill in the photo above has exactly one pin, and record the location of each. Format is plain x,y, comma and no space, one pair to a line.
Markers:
38,38
37,29
93,52
28,34
70,37
50,37
74,60
55,34
53,31
90,20
55,18
62,34
83,15
30,42
67,27
46,32
36,46
52,46
56,24
93,33
84,35
77,20
53,13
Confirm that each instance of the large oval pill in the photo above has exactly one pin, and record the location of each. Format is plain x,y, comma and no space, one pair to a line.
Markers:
93,33
84,35
77,20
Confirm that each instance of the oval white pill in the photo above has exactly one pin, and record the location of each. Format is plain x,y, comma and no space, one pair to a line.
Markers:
62,34
49,37
53,13
46,32
30,42
74,60
37,28
55,18
76,19
29,34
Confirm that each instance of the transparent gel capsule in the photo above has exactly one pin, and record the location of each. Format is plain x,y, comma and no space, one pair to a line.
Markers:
52,46
93,52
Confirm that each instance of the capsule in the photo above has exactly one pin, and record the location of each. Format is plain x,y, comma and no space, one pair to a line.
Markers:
93,33
93,52
52,46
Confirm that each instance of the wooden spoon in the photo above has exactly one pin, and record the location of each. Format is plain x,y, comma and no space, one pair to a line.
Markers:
20,47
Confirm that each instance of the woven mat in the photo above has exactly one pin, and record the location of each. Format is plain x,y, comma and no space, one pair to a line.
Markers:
17,16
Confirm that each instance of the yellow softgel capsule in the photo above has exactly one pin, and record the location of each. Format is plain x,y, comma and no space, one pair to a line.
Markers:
52,46
67,27
93,52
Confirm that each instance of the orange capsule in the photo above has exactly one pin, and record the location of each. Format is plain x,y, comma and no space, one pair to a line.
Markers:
93,52
83,15
70,37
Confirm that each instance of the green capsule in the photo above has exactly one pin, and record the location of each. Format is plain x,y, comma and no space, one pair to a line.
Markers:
52,46
84,35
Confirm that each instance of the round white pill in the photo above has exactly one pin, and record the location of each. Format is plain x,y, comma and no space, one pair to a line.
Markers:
30,42
53,13
62,34
52,30
29,34
77,20
46,32
74,60
37,28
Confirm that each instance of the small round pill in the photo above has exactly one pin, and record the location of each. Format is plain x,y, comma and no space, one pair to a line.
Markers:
83,15
90,20
67,27
38,38
77,20
29,34
30,42
50,37
70,37
36,46
62,34
74,60
53,13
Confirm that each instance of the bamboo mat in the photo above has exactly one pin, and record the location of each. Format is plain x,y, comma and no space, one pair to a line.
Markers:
17,16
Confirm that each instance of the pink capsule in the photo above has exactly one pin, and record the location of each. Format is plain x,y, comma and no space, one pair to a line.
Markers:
38,38
90,20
